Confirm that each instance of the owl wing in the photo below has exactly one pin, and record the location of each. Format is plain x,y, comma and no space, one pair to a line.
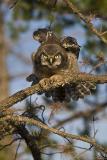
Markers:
45,35
74,92
70,45
80,90
40,34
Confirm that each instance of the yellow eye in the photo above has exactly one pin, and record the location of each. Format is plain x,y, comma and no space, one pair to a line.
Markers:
45,56
57,56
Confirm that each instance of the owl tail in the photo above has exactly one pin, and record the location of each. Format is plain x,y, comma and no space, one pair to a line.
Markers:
58,94
82,89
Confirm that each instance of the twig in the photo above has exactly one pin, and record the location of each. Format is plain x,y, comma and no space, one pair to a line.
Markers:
82,114
48,154
96,66
31,121
14,4
86,20
17,149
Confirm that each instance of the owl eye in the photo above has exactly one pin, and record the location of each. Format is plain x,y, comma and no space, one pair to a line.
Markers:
45,56
57,56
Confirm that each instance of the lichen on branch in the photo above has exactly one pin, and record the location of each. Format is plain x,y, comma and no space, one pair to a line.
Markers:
51,83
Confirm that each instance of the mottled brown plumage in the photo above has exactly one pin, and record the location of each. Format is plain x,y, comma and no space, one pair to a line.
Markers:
50,59
70,44
45,35
55,57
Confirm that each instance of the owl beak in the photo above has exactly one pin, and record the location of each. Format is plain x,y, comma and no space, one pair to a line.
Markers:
51,60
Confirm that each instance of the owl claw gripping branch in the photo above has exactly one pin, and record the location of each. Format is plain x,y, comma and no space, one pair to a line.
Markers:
54,57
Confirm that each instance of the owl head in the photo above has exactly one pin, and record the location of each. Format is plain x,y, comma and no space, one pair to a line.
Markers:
51,56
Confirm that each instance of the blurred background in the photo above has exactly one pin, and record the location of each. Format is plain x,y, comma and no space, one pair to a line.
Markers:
18,21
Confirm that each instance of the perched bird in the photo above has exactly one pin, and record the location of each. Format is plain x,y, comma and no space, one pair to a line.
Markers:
53,58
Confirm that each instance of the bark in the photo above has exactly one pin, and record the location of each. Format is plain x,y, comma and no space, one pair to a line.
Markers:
3,66
30,141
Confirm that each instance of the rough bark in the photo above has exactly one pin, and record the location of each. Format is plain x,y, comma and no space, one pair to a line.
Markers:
3,66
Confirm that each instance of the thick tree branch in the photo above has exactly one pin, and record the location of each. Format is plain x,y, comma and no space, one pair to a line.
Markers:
50,83
30,141
86,20
31,121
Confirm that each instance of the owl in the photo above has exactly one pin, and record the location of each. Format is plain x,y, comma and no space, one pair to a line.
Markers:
52,58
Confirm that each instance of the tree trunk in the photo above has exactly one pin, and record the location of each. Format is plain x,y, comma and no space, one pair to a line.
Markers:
3,66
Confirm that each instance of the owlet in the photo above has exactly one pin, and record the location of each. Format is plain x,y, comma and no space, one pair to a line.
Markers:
55,56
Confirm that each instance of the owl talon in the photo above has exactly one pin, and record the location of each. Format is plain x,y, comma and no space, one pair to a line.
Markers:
56,78
44,83
32,78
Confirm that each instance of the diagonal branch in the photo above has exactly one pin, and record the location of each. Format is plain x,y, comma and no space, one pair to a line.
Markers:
86,20
51,83
31,121
30,141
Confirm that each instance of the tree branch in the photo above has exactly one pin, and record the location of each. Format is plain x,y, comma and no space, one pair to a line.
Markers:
86,20
51,83
30,141
31,121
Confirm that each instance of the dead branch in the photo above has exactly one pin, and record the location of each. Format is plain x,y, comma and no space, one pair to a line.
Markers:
86,20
